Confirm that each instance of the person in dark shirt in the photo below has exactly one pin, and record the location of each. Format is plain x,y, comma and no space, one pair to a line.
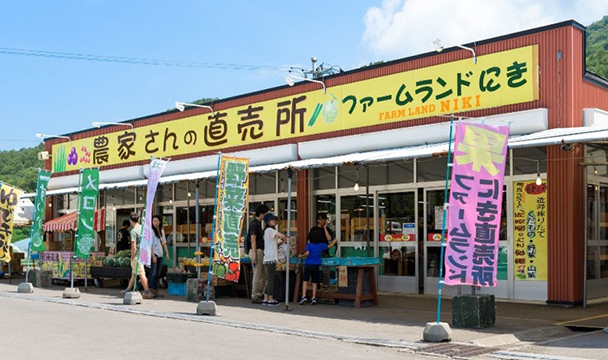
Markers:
321,233
255,246
123,241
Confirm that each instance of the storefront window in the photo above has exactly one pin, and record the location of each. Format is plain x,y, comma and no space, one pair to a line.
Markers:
397,233
181,191
164,193
128,196
185,226
324,178
353,216
526,160
431,169
400,172
114,197
282,214
326,204
284,180
596,153
348,175
262,183
591,262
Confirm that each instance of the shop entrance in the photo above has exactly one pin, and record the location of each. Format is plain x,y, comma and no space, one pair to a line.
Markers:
398,242
431,241
597,240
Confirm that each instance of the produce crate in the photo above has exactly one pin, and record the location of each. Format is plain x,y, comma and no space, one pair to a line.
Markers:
105,272
179,278
177,289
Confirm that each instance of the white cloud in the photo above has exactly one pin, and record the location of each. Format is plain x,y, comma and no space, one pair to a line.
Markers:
402,28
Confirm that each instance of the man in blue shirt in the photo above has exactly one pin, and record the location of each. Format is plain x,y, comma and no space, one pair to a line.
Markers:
312,263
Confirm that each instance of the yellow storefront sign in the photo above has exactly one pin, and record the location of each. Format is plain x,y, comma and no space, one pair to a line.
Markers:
530,230
498,79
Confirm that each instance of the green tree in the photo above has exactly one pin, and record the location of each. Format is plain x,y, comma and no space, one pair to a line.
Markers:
597,47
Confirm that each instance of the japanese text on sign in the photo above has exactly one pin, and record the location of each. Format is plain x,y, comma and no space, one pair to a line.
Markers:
475,204
530,230
9,198
498,79
232,195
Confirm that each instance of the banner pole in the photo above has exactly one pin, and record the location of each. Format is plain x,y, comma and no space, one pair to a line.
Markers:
197,230
73,260
29,250
288,255
445,210
143,219
212,243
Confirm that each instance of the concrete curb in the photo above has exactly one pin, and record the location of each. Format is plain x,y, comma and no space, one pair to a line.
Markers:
221,322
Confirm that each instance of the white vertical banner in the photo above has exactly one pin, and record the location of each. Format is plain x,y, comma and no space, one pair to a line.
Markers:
157,167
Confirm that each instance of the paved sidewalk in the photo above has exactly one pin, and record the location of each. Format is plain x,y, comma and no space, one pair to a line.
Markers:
397,318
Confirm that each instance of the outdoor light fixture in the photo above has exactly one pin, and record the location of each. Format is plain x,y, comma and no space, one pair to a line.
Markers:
439,47
98,124
182,106
539,181
44,136
594,170
170,201
189,194
356,187
289,79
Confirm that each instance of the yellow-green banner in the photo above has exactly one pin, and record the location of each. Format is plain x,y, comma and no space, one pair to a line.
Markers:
530,230
9,198
498,79
231,202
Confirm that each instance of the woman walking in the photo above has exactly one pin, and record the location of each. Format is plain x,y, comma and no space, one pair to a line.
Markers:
159,243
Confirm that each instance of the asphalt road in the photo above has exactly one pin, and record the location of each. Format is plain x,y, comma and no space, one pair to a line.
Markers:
40,330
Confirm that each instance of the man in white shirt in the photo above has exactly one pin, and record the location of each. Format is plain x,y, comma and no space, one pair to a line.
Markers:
136,231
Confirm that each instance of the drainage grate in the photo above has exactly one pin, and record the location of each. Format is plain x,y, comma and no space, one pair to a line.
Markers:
455,350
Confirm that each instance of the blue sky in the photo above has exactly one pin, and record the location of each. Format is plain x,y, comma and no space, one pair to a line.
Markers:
57,96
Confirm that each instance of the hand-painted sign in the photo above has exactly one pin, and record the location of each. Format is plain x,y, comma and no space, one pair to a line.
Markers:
231,203
530,230
58,262
9,198
36,233
498,79
157,167
475,204
87,201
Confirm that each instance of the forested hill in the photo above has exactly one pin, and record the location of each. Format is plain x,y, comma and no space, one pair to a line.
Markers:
597,47
19,167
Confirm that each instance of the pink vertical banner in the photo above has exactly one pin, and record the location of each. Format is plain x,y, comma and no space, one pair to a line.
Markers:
475,204
157,167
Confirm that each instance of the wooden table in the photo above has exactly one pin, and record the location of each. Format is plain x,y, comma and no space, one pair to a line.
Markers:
357,296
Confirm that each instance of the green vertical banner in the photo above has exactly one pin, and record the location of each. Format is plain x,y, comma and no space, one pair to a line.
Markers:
36,233
89,188
231,203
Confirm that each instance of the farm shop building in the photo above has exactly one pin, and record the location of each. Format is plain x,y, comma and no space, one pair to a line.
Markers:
381,128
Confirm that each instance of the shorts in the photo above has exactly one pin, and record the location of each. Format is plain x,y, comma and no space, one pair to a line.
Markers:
140,267
312,271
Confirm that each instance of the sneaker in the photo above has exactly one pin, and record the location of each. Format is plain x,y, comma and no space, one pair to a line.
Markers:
313,301
303,300
273,303
265,302
148,295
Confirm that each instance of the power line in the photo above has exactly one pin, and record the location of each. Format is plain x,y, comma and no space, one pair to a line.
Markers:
139,61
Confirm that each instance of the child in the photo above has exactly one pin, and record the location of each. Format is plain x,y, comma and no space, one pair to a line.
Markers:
272,240
311,268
